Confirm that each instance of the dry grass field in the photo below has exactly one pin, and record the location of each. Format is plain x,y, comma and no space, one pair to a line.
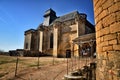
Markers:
49,68
8,64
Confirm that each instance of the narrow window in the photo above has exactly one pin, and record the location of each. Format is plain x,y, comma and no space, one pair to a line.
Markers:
26,46
51,40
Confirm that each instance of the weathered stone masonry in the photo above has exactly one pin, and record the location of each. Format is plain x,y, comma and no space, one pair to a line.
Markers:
107,19
54,36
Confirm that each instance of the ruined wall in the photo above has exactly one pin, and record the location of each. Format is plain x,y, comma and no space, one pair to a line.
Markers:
107,19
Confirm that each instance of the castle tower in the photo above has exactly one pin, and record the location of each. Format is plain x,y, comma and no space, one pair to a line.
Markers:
107,19
49,16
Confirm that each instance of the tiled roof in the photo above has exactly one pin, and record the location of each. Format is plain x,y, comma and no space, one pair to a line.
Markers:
67,16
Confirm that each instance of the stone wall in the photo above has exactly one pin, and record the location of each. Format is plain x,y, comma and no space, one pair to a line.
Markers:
27,43
107,20
68,33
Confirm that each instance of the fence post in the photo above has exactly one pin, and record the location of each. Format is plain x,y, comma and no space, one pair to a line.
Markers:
53,60
16,66
38,61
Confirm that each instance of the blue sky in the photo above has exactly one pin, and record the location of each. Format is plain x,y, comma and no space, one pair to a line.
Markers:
16,16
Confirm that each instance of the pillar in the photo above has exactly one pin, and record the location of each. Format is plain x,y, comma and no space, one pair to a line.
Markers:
80,24
55,43
40,40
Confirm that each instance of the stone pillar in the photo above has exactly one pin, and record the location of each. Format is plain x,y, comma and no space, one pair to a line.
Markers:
55,39
40,40
76,47
27,43
80,28
80,24
107,20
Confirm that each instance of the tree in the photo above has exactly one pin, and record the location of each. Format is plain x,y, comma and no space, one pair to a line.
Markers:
1,50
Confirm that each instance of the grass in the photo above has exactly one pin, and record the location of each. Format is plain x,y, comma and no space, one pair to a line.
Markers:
8,63
6,59
4,62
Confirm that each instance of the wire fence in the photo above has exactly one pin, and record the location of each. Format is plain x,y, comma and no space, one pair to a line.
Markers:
39,68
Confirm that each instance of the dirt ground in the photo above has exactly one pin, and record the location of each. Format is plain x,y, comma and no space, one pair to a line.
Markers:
48,71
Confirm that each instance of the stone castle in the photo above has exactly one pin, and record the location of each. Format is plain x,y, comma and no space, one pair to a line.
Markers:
56,34
107,21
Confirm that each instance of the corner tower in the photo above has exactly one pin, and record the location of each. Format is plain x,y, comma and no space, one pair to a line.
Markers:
49,17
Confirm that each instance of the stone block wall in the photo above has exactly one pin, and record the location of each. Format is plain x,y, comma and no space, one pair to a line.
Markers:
107,20
27,43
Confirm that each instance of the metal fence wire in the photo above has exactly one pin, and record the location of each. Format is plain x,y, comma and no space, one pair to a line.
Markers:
39,68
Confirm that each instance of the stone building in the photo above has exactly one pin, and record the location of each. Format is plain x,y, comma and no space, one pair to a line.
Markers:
107,20
56,34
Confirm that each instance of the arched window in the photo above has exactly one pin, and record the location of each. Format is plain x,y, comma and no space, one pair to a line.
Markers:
51,40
